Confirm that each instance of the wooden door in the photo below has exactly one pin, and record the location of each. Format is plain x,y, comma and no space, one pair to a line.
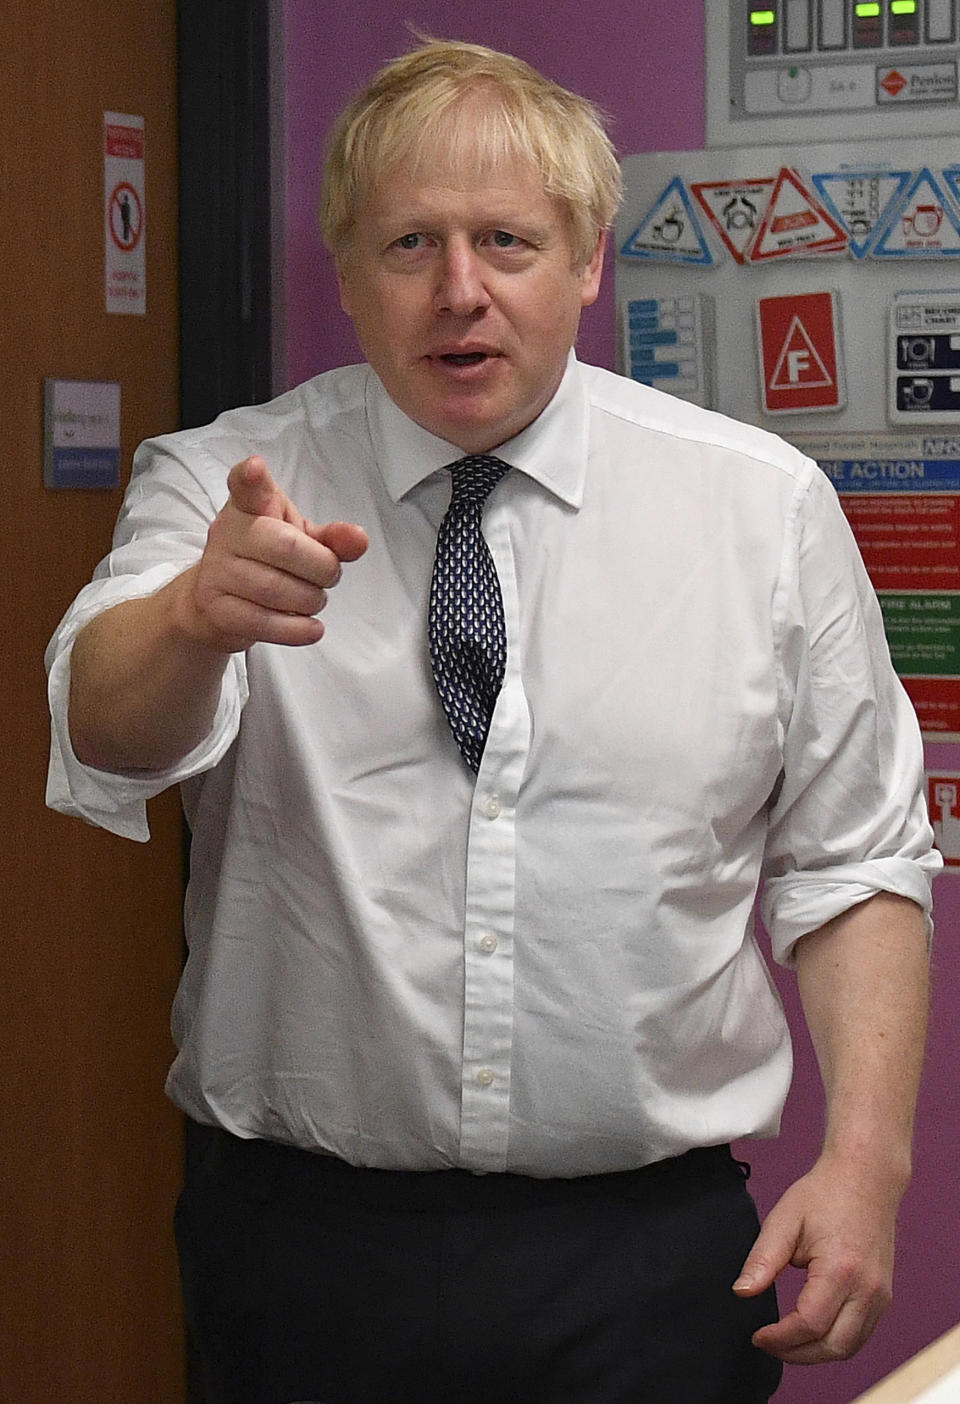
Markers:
90,1151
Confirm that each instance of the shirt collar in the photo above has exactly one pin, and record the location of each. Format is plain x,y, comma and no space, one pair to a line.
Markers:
552,450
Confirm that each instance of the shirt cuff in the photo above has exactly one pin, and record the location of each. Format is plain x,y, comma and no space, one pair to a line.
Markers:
798,903
116,801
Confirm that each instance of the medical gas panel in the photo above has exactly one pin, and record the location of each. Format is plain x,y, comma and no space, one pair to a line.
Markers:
809,70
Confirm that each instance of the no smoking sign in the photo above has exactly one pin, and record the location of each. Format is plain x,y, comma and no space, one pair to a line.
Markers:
124,213
126,216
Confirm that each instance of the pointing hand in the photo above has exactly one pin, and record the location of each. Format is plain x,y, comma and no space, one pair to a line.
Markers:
266,569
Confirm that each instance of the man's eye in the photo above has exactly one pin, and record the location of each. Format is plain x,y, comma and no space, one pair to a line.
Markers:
410,241
504,239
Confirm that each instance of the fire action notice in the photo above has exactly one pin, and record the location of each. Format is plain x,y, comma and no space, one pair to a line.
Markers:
901,496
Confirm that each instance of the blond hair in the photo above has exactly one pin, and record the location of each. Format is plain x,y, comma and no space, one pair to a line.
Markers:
478,107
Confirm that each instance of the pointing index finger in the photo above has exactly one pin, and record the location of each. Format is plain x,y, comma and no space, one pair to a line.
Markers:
252,489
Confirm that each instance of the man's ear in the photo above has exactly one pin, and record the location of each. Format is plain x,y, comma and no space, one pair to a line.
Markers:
592,271
343,285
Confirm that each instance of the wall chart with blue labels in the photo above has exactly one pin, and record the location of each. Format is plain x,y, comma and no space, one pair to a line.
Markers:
815,290
868,223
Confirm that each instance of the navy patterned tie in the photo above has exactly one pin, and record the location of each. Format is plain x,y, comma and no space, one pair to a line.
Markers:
468,637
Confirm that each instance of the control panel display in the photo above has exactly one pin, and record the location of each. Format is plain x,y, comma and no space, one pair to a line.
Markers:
793,69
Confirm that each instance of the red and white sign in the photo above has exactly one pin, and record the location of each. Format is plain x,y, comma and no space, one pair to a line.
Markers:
126,216
124,213
735,209
943,802
937,705
800,362
796,222
123,136
908,540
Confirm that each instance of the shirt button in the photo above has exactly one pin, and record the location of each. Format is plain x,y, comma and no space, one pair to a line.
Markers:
485,1076
492,807
488,943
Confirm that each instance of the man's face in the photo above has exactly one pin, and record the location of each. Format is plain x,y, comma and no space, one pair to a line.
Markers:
466,298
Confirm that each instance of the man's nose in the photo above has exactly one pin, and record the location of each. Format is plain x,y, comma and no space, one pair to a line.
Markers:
461,288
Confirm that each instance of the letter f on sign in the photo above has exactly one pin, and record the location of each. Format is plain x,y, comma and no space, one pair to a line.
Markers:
797,362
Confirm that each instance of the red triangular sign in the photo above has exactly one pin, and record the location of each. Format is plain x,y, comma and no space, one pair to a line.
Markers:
799,361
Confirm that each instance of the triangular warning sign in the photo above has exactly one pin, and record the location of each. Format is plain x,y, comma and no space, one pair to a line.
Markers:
670,231
799,363
952,177
735,209
796,222
861,200
923,224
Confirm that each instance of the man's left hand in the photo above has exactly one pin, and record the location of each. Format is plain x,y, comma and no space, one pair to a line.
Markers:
840,1227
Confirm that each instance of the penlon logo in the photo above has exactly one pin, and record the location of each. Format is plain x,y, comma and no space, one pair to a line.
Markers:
893,83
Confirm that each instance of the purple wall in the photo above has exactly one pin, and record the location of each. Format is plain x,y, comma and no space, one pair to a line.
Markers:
654,91
644,65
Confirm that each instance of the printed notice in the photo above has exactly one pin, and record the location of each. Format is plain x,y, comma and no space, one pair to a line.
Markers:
922,633
81,434
943,802
670,230
796,222
735,209
901,496
908,541
923,226
124,213
861,201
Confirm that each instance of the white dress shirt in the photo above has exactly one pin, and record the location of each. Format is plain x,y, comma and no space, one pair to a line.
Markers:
549,968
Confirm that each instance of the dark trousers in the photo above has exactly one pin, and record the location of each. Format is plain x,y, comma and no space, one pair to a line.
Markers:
308,1280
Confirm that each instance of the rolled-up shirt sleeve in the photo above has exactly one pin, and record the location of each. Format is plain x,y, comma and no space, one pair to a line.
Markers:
160,533
850,817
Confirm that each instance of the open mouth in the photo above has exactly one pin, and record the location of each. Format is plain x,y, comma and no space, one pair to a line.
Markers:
468,358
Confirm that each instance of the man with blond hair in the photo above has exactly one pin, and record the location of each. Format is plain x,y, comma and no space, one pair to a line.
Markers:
473,1006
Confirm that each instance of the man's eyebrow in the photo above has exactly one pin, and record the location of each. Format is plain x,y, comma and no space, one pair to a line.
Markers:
412,220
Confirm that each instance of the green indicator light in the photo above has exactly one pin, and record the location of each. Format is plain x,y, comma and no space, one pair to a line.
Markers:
903,7
763,17
866,11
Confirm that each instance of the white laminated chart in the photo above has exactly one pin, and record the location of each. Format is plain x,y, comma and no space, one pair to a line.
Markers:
836,237
815,290
664,340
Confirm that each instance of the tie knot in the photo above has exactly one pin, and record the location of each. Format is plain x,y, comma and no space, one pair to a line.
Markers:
475,476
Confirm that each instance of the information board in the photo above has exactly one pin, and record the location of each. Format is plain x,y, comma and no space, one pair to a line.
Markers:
822,293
